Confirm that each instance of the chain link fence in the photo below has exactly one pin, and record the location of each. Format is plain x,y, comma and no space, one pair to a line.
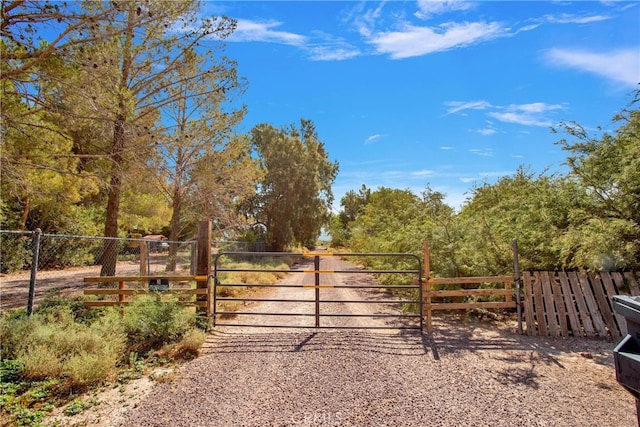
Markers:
34,264
238,246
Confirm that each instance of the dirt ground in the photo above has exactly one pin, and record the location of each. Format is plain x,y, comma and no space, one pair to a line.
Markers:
466,372
14,287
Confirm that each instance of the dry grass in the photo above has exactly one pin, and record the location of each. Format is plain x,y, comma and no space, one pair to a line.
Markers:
250,278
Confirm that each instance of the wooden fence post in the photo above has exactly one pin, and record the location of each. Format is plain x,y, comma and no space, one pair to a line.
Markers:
426,289
144,257
203,265
516,268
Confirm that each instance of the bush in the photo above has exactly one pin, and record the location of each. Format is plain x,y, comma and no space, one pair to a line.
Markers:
51,344
38,362
189,346
61,348
151,322
14,329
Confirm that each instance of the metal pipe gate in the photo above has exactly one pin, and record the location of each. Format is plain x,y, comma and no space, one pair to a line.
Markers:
318,285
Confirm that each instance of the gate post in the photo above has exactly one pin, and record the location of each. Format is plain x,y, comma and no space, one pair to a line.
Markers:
516,267
35,244
316,266
426,290
203,265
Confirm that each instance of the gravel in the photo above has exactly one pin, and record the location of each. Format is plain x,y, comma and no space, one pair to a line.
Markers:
466,373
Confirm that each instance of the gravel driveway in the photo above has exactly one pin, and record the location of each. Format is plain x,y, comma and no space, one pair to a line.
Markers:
464,374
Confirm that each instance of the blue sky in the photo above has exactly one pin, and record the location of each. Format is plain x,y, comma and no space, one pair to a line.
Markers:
446,94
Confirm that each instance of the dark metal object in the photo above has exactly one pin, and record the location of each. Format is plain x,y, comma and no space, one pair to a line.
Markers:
627,353
317,301
34,271
159,284
516,269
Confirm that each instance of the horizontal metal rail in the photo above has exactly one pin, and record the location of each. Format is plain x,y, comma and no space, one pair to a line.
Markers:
317,287
310,286
250,325
368,301
251,313
263,270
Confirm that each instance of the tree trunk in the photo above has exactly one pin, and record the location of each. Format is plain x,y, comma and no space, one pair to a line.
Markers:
175,228
110,254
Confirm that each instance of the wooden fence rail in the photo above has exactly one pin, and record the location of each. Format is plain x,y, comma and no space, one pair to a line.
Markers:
141,287
469,295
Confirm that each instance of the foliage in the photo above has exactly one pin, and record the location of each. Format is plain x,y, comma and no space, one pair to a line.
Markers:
535,210
62,349
51,344
605,231
79,405
88,142
587,219
400,221
151,322
16,252
353,205
294,197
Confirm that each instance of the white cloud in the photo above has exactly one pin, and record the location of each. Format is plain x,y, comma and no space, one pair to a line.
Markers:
332,53
622,66
446,148
457,106
486,131
534,114
423,173
373,138
535,107
483,176
319,46
566,18
427,8
468,179
484,152
413,40
264,31
495,174
330,48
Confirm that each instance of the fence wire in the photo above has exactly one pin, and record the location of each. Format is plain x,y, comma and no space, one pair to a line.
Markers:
63,261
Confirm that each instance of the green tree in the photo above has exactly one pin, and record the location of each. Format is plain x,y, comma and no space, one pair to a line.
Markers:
221,181
126,81
196,124
533,209
399,221
605,227
294,198
353,205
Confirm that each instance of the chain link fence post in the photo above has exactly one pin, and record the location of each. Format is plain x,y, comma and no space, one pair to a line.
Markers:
34,270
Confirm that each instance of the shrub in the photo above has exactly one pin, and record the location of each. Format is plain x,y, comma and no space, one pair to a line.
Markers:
189,346
14,329
90,368
40,362
151,322
51,344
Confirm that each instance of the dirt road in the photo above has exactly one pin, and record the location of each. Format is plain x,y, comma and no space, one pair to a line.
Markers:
464,374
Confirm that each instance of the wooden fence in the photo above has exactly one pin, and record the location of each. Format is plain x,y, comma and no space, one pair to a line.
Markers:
184,287
574,303
448,299
551,303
